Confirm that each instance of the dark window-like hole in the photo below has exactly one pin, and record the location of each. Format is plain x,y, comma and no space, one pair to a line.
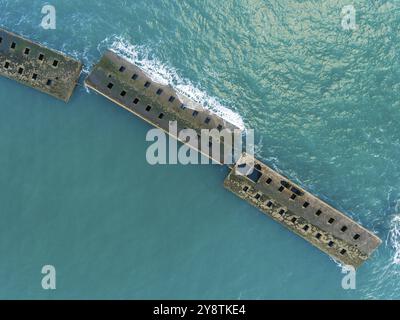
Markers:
285,184
257,196
297,191
318,213
331,243
27,50
281,188
269,204
7,65
305,204
110,85
281,212
183,107
147,84
148,108
356,236
343,251
318,235
219,127
195,113
294,219
171,99
159,91
20,70
34,76
331,220
41,57
13,45
306,227
343,229
123,93
245,188
269,180
49,82
293,196
1,39
55,63
122,69
135,76
207,120
136,101
161,115
255,175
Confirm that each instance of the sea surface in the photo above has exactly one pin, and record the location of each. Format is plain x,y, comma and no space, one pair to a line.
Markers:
77,193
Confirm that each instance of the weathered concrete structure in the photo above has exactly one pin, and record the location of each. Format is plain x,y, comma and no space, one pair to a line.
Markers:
38,67
326,228
301,212
128,86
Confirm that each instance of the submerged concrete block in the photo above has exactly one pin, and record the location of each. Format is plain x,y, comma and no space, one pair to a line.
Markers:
131,88
311,218
38,67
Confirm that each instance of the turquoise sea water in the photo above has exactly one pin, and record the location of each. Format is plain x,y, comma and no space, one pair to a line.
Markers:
76,191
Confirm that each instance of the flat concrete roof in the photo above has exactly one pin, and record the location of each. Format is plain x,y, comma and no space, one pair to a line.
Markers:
38,67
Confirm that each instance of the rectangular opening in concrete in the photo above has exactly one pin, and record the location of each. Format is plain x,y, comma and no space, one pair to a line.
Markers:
356,236
281,212
6,65
123,93
41,57
34,76
55,63
305,204
159,91
343,251
195,113
268,181
161,115
122,69
343,229
269,204
110,85
20,70
257,196
318,235
219,127
26,51
306,227
135,76
171,99
331,243
245,188
13,45
318,213
281,188
148,108
183,107
293,196
331,220
207,120
49,82
147,84
135,101
294,219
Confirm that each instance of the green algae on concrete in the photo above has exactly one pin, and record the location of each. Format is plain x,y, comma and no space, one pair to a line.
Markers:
38,67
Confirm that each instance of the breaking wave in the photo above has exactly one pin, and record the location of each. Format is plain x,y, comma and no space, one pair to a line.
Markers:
394,238
167,75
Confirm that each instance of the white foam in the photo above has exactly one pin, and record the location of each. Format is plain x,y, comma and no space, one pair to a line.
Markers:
167,75
394,238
